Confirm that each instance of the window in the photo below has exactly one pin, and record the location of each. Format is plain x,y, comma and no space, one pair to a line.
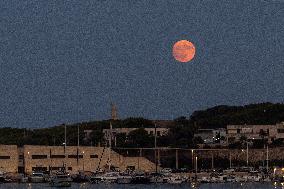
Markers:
75,156
39,169
238,131
55,168
57,156
280,130
4,157
94,156
151,133
70,168
158,133
39,156
21,156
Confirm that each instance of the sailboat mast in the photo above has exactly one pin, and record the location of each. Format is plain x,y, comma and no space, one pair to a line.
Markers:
109,154
64,137
78,139
156,148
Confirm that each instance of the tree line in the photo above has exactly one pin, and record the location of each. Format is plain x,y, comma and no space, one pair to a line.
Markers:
181,131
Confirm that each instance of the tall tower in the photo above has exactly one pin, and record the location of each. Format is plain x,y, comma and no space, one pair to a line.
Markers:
114,112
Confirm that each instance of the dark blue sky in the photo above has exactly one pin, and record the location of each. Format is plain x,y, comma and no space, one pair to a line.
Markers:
66,61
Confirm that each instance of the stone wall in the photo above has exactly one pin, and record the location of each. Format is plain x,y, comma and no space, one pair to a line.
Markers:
91,159
254,155
9,158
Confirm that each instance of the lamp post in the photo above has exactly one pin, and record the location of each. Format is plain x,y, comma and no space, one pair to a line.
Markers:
192,158
196,168
247,155
83,162
267,158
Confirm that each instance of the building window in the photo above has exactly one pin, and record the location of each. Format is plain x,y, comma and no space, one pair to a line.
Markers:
151,132
75,156
238,131
280,130
4,157
94,156
39,169
57,156
39,156
21,156
69,168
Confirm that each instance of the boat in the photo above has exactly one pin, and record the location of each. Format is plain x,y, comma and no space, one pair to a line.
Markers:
175,180
81,177
2,177
61,180
109,177
158,178
37,177
124,178
140,178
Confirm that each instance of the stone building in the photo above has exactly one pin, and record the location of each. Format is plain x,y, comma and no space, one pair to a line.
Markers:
9,158
151,131
45,158
255,132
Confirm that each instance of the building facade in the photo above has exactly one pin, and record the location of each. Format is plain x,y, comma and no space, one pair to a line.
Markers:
255,132
50,158
151,131
211,136
9,158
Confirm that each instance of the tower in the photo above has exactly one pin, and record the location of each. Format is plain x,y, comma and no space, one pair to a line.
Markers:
114,112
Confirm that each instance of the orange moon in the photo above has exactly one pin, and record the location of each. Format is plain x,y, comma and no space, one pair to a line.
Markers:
183,51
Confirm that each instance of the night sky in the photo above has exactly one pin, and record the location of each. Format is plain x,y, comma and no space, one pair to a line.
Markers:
66,61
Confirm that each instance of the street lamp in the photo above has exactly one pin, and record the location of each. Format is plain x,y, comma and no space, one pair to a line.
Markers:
192,158
83,162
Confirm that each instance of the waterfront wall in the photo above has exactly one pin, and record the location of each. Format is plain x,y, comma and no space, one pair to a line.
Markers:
254,155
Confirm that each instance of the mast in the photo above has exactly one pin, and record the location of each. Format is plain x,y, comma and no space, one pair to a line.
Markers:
78,142
64,137
64,147
156,148
267,158
109,154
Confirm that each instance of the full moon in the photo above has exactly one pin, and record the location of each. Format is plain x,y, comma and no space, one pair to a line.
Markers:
183,51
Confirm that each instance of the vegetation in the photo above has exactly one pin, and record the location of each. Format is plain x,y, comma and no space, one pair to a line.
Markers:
180,133
221,116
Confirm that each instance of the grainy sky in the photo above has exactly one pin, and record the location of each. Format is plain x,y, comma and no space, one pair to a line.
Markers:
66,61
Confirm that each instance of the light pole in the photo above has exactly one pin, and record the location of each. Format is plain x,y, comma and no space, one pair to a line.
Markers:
192,158
247,155
196,168
267,158
83,162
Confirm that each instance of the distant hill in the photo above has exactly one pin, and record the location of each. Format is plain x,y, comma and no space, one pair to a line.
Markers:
221,116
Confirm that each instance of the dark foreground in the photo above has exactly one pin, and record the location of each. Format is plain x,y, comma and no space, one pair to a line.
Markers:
152,186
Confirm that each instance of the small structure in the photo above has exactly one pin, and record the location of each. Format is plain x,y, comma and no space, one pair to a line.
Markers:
212,136
255,132
114,115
